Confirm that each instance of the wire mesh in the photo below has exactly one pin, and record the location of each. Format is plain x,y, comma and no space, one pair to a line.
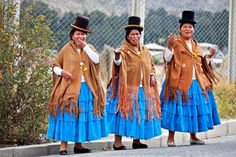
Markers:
108,18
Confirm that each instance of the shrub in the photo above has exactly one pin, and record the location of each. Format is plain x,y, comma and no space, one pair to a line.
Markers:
226,101
25,80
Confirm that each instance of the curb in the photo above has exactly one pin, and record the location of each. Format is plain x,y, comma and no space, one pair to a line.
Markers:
225,129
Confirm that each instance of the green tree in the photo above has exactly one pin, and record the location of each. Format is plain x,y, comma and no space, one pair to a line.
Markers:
25,79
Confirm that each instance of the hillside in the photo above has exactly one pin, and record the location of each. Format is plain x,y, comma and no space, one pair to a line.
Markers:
118,7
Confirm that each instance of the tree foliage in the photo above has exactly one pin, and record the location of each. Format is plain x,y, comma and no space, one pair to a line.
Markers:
25,79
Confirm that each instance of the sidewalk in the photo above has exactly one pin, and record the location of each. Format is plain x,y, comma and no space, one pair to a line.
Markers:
226,128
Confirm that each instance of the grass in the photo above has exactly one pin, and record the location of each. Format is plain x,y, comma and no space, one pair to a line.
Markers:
225,94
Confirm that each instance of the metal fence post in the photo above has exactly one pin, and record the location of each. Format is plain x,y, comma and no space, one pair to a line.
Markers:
232,40
17,16
138,9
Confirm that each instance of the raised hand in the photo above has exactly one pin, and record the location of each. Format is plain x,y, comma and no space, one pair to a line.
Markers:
80,44
117,54
211,53
171,39
152,80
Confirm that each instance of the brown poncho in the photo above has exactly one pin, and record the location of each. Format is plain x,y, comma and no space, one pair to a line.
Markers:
180,70
65,92
129,74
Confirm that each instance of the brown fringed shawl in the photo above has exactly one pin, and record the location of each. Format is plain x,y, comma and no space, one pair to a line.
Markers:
129,74
180,70
65,92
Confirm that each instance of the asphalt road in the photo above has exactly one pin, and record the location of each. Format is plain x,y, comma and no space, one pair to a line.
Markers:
216,147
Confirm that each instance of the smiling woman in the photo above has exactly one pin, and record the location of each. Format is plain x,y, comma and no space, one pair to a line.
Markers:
187,99
77,101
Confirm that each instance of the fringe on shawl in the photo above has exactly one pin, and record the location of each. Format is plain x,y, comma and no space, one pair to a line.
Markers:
209,72
112,82
157,101
99,102
126,96
71,106
152,101
169,93
98,109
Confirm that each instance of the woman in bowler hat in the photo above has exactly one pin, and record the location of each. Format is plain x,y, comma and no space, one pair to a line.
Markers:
76,104
187,99
133,105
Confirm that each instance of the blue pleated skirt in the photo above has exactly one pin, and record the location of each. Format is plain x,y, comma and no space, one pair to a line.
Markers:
200,114
143,129
87,127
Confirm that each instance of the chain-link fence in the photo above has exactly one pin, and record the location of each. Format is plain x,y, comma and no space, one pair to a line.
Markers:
216,25
211,30
108,18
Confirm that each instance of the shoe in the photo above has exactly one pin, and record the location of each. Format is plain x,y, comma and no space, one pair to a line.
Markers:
63,152
119,148
139,146
171,144
197,142
83,150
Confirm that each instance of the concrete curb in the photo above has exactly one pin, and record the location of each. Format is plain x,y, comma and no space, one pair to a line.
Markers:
226,128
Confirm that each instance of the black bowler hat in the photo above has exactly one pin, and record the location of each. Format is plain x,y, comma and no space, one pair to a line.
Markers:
81,24
187,17
134,22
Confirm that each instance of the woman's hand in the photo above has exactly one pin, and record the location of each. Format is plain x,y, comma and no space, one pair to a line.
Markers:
80,44
67,75
117,54
152,80
211,53
170,42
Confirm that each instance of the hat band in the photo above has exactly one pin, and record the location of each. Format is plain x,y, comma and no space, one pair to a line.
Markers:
187,21
82,29
134,26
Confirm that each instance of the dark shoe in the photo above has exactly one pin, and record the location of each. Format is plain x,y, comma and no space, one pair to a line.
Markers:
63,152
84,150
171,144
197,142
119,148
139,146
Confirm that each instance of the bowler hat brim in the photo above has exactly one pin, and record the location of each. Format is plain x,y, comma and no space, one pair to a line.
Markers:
134,26
81,29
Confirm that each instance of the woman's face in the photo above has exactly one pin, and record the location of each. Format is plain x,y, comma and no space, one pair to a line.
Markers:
187,31
79,35
134,37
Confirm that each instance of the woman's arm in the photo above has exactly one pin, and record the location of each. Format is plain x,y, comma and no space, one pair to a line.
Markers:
91,54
